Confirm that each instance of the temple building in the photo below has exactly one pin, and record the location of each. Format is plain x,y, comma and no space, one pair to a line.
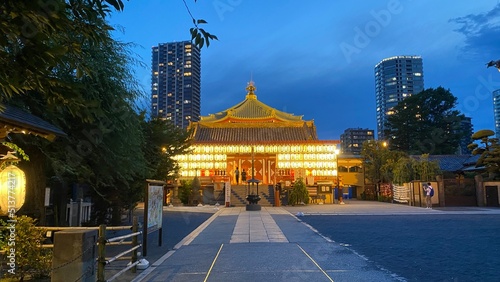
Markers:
271,146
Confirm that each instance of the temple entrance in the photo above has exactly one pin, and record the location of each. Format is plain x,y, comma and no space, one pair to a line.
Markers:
264,167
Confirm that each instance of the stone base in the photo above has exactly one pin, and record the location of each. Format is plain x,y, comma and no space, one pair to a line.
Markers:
176,202
253,207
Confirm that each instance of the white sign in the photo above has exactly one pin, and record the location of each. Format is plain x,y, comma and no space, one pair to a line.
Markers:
47,196
155,207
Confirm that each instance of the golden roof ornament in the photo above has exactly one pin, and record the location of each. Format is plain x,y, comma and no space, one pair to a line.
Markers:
9,156
251,88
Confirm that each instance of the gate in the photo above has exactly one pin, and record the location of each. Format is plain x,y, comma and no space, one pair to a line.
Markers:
492,196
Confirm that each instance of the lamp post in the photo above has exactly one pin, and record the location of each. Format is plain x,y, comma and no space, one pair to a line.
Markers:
337,152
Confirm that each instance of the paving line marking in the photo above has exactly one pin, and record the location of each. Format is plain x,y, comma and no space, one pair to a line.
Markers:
213,263
315,263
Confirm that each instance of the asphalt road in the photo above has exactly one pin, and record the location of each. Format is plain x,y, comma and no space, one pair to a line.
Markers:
451,248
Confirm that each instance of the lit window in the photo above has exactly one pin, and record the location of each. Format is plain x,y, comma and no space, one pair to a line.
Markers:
187,74
417,74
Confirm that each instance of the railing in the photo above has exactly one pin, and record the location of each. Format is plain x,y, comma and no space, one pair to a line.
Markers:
78,212
102,260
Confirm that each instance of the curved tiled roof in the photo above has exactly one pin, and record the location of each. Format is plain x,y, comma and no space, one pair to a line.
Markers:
15,120
251,109
253,134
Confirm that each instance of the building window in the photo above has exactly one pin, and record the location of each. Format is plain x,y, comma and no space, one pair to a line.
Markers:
354,169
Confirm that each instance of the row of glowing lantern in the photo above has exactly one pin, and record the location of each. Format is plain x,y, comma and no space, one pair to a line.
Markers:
200,157
203,172
306,157
286,164
217,149
202,165
280,157
280,164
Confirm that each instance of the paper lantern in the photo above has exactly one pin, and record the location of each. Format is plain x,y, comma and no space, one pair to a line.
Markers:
12,189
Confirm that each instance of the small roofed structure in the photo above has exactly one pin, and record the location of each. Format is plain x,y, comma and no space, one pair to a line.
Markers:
15,120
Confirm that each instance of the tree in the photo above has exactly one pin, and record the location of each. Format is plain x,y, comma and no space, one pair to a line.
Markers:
163,142
60,63
299,193
404,170
426,123
379,161
103,150
38,37
488,149
495,64
185,191
410,168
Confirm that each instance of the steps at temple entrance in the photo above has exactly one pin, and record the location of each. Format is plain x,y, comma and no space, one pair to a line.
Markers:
239,194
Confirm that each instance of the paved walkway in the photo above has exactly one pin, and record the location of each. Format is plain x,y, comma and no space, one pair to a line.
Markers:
275,245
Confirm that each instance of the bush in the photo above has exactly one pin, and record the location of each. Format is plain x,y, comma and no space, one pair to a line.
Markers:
31,260
185,191
299,193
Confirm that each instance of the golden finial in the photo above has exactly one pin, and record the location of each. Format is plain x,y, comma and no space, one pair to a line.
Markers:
251,88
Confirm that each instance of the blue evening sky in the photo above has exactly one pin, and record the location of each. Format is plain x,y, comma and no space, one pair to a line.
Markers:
317,58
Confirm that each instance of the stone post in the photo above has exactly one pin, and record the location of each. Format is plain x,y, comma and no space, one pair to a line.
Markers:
480,195
74,256
175,194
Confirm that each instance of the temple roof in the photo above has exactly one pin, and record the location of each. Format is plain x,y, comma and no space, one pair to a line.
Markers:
253,134
252,121
15,120
251,110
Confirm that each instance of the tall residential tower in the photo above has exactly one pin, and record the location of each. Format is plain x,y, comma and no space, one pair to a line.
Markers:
176,82
395,79
496,111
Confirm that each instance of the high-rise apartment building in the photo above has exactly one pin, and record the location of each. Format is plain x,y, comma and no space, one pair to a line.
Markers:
176,82
351,141
395,79
496,111
468,129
